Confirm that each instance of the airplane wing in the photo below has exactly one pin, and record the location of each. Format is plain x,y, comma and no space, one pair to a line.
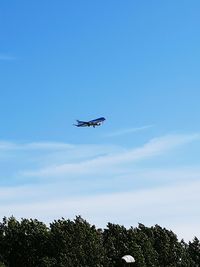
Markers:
81,124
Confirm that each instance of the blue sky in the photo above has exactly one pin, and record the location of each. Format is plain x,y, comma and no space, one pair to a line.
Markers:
135,63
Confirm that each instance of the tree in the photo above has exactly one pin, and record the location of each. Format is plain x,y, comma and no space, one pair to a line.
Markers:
167,247
194,251
23,243
31,243
145,238
76,243
115,239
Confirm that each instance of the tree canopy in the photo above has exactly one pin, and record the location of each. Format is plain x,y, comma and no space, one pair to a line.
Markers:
30,243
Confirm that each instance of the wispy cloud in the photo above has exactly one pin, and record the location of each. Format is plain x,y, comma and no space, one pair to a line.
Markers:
128,130
153,148
103,183
34,146
169,206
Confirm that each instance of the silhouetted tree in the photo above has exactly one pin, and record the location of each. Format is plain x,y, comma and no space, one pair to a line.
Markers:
30,243
22,243
194,251
76,243
116,245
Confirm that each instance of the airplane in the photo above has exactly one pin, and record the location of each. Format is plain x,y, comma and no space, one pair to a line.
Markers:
96,122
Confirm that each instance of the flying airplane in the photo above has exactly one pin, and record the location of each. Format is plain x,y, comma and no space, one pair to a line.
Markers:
96,122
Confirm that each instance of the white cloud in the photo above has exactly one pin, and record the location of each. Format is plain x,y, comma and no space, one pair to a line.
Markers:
170,206
102,183
154,147
128,131
34,146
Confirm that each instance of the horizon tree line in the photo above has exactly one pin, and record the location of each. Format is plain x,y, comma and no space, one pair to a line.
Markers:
31,243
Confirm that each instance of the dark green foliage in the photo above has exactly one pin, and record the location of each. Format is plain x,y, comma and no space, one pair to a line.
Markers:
145,239
115,243
30,243
22,243
76,243
167,246
194,251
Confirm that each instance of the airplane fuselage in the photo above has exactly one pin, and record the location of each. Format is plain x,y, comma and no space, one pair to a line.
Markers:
96,122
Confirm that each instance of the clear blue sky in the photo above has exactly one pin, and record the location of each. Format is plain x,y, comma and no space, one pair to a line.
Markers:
134,62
